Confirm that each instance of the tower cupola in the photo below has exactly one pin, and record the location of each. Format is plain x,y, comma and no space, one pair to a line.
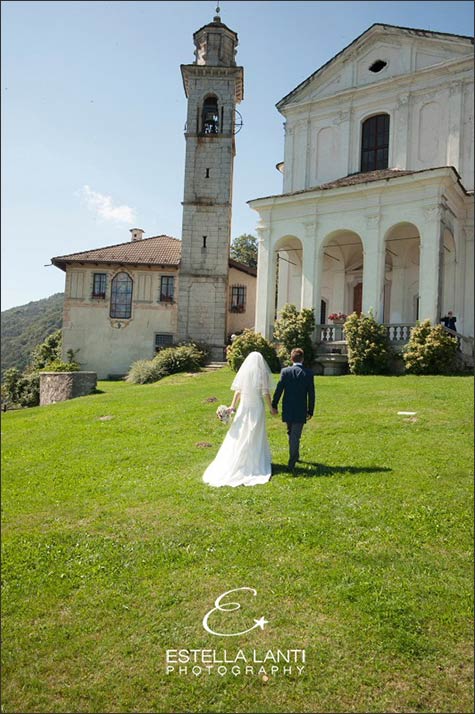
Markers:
215,44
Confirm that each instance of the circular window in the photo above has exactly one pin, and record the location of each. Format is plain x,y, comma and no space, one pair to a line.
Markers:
377,66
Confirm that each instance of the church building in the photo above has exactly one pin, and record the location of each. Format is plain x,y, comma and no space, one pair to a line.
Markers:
124,302
376,211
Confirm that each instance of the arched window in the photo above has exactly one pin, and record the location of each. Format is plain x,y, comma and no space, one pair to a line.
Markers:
121,296
210,116
375,143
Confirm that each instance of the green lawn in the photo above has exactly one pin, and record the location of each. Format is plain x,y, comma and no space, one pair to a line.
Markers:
114,550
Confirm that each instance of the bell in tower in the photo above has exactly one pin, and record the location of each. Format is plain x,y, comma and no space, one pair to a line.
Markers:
213,87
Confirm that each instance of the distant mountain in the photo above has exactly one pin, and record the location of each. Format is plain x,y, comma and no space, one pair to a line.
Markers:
24,327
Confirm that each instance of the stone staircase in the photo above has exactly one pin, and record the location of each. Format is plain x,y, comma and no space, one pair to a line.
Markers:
213,366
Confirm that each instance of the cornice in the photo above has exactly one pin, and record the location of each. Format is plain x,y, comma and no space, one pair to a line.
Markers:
447,174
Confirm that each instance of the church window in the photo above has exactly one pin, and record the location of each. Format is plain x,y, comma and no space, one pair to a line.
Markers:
204,241
121,296
238,298
375,143
99,285
207,173
167,288
162,340
210,116
377,66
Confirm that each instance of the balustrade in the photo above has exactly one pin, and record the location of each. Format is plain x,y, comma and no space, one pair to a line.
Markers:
397,332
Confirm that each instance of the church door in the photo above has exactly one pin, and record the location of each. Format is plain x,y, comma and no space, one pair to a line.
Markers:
358,297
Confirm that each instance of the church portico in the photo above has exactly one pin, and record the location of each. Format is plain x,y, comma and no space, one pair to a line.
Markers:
385,246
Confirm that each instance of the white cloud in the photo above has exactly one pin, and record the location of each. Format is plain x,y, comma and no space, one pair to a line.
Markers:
104,206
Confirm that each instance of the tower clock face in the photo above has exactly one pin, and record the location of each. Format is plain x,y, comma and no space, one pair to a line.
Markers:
238,122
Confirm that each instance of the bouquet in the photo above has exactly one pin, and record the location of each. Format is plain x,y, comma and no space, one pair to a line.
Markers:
224,413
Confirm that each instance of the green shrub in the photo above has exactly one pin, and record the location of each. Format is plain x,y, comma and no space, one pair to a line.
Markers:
250,341
430,350
144,371
59,366
30,390
369,351
170,360
21,390
184,358
293,328
11,386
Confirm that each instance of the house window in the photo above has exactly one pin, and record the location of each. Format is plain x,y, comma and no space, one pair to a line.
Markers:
238,298
375,143
99,285
167,286
121,296
162,340
210,116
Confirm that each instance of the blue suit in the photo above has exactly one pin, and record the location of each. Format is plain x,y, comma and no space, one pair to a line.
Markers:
296,383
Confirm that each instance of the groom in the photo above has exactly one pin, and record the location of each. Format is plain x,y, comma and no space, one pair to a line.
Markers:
298,403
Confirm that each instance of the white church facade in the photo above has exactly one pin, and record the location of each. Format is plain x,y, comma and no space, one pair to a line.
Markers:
376,211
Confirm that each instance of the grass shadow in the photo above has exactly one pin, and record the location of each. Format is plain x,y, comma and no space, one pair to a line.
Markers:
317,469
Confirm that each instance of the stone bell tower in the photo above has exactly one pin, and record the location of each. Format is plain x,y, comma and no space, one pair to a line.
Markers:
213,86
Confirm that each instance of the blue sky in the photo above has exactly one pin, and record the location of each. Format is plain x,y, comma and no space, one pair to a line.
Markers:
93,112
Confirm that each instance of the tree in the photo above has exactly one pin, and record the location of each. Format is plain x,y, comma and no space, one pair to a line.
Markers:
244,250
48,351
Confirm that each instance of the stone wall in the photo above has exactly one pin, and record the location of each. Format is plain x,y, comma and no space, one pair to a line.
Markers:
59,386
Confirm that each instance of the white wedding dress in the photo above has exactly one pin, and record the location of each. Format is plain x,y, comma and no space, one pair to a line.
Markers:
244,457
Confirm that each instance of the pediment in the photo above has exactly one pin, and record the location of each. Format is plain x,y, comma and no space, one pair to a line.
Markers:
382,52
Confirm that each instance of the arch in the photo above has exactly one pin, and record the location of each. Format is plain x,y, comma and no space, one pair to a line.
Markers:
121,296
340,263
402,268
288,252
210,115
375,142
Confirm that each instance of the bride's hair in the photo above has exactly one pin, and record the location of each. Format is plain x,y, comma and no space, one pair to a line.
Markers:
254,375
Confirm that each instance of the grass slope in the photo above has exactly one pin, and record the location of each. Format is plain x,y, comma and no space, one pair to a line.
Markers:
114,549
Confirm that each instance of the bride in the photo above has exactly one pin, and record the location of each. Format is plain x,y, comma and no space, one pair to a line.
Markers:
244,457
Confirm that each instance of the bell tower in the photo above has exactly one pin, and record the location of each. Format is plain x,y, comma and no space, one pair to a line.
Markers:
213,86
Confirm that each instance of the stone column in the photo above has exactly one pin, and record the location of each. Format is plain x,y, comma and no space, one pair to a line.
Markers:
373,268
266,279
308,263
430,279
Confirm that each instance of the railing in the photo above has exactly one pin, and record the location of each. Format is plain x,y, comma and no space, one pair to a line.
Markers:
330,333
400,331
397,332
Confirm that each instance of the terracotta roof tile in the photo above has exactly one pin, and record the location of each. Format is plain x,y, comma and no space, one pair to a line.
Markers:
158,250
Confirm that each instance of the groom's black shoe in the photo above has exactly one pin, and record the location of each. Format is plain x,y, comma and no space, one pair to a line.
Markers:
291,466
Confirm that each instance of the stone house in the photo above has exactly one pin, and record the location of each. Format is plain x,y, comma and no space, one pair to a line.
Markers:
376,211
121,302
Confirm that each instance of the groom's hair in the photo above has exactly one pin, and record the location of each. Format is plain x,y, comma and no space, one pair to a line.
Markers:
296,355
